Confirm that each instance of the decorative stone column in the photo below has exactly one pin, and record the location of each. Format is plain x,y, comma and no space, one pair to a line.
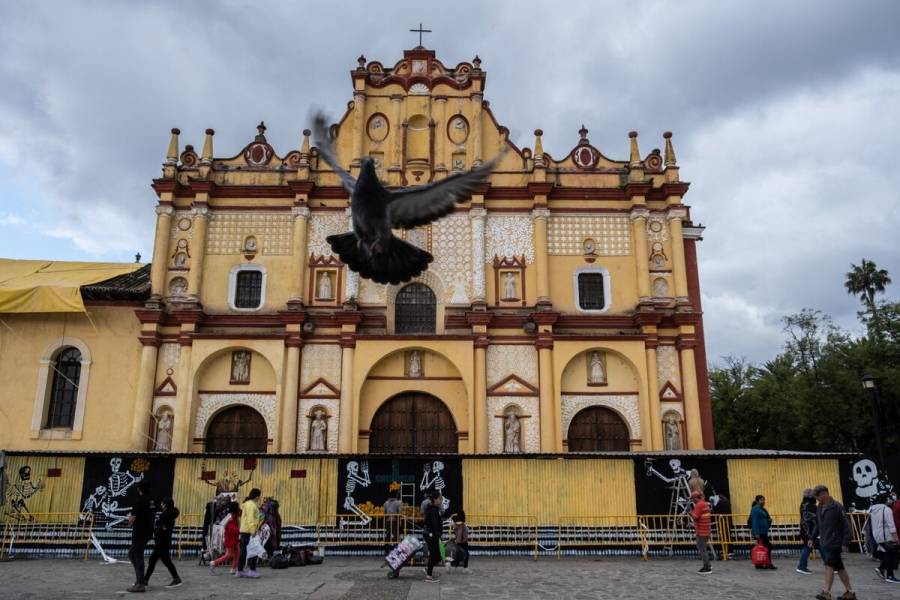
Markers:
164,214
301,222
478,217
679,272
551,406
349,432
642,260
541,259
654,426
290,401
351,283
477,101
396,132
440,133
359,124
181,438
143,403
691,396
198,249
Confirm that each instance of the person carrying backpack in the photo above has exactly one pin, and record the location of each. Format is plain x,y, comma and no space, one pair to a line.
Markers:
162,542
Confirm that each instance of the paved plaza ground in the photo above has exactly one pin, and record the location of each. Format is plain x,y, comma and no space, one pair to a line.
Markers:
519,578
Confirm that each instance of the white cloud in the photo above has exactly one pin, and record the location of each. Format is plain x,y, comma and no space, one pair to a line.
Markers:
11,219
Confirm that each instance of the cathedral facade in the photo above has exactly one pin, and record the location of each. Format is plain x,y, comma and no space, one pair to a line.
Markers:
561,312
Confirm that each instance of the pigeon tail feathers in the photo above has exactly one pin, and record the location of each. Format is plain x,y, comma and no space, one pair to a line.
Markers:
399,262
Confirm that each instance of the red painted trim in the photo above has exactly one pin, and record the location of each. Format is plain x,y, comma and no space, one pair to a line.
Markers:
693,277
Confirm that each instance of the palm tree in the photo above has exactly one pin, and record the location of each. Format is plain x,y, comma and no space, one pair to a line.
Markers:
866,280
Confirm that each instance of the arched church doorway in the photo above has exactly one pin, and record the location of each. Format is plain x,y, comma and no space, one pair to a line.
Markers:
237,429
413,423
598,429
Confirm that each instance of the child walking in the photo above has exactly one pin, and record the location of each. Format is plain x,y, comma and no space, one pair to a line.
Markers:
232,540
162,542
461,537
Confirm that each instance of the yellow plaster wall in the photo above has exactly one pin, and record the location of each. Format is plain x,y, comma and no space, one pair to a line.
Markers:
622,277
111,335
781,481
217,269
620,374
216,375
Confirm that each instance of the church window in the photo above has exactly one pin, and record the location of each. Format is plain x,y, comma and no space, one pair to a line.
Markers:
415,309
247,287
64,391
592,292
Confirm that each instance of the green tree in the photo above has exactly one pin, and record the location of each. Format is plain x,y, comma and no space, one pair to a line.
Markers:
866,280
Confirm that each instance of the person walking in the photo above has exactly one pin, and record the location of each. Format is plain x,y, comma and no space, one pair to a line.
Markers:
833,533
701,514
162,542
250,521
141,520
392,508
461,537
760,521
232,540
884,533
807,529
433,527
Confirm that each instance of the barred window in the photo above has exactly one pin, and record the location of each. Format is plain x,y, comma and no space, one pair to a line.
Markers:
590,291
415,309
248,289
64,390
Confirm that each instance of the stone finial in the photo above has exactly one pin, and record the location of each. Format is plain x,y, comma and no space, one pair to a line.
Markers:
635,157
669,156
582,134
361,62
206,155
476,63
172,152
304,147
538,147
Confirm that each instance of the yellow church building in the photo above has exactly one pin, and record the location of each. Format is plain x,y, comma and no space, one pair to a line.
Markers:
561,313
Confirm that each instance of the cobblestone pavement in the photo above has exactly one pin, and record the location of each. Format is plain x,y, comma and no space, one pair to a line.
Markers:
519,578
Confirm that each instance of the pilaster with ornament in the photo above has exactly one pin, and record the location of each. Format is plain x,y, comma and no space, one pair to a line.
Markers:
184,402
349,412
477,112
397,106
440,138
359,115
540,215
651,412
478,412
478,216
198,227
675,216
300,213
639,215
551,420
351,283
164,214
690,392
143,402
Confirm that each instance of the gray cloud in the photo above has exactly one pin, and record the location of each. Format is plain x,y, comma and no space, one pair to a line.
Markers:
783,116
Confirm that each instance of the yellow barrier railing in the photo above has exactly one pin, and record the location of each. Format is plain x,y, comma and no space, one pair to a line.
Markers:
190,532
519,531
601,531
354,530
48,529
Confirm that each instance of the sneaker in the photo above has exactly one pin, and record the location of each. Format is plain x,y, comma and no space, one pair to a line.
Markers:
137,587
252,574
879,573
447,566
848,596
804,571
466,570
823,595
174,583
772,568
430,579
212,569
892,579
705,571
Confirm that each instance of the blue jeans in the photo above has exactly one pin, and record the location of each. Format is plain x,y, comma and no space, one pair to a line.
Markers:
804,557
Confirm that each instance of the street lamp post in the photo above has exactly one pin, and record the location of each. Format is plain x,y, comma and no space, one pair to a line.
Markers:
870,385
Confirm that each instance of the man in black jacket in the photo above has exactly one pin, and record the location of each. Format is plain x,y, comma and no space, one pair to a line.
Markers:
833,531
433,528
141,520
162,542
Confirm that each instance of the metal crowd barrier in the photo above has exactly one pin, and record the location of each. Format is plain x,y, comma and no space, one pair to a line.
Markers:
355,530
190,532
48,529
520,531
574,531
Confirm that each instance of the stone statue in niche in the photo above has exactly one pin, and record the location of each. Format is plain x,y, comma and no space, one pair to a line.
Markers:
660,287
318,430
512,433
250,244
509,286
596,371
181,260
672,432
325,289
240,367
163,439
414,366
178,286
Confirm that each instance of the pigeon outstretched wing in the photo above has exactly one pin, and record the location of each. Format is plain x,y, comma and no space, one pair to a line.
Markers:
420,205
323,144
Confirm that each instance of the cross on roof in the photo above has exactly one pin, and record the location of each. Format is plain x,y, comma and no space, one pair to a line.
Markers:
420,31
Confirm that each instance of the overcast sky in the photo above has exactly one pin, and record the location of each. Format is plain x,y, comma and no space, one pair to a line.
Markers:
786,118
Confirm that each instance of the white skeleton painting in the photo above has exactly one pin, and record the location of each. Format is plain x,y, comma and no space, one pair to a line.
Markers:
678,482
356,475
103,499
870,483
431,477
20,491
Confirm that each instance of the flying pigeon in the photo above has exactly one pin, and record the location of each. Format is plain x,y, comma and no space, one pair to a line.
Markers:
371,249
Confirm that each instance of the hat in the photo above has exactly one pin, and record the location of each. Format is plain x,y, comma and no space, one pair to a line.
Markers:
696,495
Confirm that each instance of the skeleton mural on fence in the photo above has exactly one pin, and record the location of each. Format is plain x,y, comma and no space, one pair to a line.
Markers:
431,478
356,475
19,492
870,482
105,499
678,483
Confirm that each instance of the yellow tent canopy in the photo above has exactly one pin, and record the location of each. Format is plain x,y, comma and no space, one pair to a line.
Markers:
41,286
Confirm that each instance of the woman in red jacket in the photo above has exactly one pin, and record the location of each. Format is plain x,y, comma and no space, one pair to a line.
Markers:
232,539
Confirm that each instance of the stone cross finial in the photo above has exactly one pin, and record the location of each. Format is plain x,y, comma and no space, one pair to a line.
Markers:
420,31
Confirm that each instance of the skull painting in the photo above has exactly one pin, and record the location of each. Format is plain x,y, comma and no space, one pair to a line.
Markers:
865,474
